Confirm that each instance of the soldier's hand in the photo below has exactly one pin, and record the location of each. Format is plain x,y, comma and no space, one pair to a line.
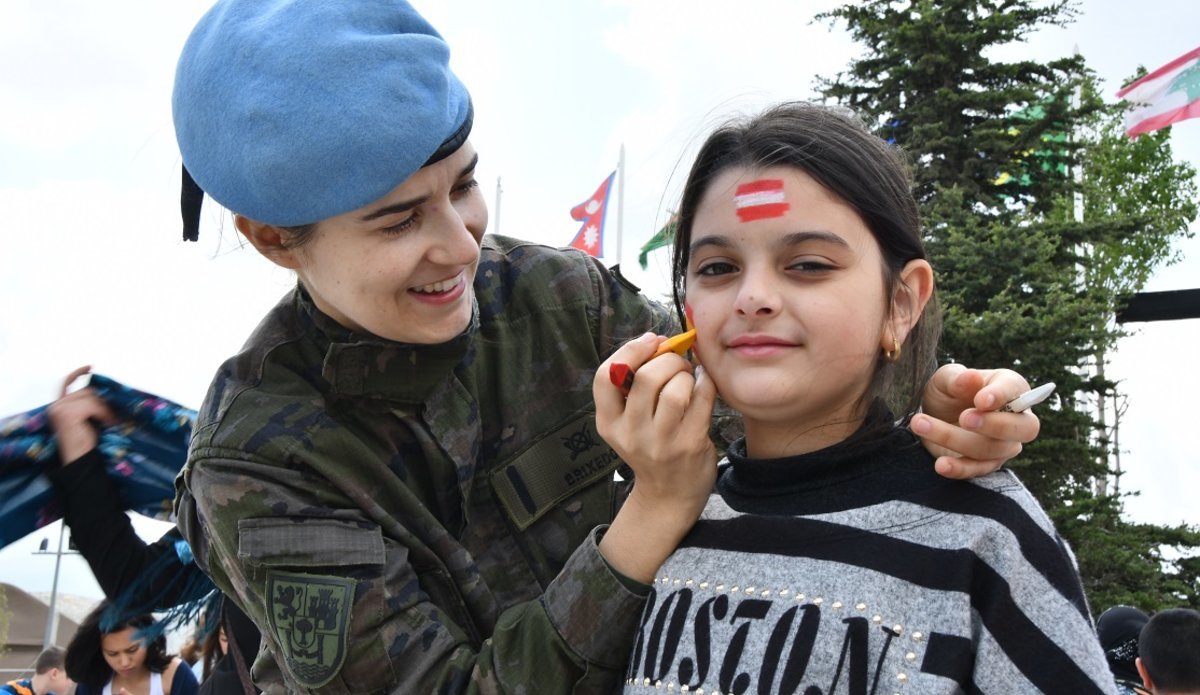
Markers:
661,431
74,417
983,439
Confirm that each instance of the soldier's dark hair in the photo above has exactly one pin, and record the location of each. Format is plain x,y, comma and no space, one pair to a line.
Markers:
835,148
85,660
1167,647
51,657
299,235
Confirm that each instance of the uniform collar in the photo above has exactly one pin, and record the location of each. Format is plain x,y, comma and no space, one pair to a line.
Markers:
365,365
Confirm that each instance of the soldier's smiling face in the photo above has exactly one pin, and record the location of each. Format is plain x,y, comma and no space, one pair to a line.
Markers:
402,267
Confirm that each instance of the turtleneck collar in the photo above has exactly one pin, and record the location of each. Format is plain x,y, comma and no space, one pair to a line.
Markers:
879,461
362,364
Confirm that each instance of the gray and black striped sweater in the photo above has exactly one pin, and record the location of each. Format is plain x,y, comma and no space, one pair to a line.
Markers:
860,570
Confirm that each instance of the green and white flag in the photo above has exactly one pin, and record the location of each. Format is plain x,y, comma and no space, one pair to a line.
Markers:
663,237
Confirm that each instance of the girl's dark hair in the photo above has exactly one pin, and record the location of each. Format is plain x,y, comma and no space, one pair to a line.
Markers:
836,149
85,660
211,650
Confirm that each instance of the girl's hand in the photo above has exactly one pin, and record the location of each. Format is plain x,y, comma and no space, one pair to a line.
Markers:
661,431
72,417
983,439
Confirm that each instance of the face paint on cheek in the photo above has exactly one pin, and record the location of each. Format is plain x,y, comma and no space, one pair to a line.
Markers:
691,324
759,200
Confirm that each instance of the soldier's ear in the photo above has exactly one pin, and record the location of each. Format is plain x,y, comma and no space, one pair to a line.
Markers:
269,240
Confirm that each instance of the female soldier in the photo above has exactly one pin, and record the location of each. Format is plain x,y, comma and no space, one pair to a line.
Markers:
399,477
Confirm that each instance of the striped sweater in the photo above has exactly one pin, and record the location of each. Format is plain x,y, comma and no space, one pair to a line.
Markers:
862,571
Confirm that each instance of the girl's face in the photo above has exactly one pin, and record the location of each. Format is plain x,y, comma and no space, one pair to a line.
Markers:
125,655
402,267
785,288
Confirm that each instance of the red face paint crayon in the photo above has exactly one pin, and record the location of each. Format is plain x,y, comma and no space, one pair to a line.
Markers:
621,375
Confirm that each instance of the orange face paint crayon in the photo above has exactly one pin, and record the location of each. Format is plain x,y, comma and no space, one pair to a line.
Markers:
678,344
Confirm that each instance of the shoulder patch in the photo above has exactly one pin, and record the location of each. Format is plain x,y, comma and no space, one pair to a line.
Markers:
310,616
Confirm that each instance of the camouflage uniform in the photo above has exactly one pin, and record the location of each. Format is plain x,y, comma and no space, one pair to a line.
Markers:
424,519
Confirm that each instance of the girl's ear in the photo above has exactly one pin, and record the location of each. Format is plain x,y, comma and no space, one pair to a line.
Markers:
908,301
269,240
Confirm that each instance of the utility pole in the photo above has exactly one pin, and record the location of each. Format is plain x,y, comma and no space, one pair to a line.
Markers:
51,634
496,221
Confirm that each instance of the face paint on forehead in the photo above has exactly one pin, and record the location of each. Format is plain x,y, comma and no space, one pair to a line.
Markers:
760,200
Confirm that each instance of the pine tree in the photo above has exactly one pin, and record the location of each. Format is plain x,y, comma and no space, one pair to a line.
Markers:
994,145
927,84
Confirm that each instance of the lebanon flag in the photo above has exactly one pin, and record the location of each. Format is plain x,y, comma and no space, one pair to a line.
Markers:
590,237
1168,95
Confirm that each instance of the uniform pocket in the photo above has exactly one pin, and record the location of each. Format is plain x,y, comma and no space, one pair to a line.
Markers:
321,585
557,466
289,541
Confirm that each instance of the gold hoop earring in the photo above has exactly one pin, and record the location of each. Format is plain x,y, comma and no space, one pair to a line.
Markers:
893,355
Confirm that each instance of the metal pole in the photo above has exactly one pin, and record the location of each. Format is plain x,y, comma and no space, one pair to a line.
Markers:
620,200
496,225
51,612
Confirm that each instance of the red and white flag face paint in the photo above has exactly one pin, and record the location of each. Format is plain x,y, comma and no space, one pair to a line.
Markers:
760,199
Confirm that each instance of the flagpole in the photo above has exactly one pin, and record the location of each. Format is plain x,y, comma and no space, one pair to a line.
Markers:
620,200
496,224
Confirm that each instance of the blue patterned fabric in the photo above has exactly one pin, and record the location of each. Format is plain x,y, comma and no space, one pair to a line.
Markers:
145,451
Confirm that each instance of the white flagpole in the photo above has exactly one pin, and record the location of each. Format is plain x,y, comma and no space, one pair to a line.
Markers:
620,200
496,224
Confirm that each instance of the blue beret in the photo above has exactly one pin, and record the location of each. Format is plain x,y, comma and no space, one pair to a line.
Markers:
293,111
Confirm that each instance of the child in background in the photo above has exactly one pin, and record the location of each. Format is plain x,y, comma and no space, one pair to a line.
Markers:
117,660
49,677
1169,652
831,557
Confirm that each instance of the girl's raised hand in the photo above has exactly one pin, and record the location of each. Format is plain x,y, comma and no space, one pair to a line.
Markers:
661,431
74,417
984,438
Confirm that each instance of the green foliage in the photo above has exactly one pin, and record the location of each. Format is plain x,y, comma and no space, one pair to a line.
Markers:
1136,183
926,83
1128,563
1023,283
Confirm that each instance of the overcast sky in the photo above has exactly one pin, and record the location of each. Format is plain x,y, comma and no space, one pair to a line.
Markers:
92,269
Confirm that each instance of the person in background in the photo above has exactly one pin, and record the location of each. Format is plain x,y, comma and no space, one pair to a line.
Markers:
214,648
404,451
136,577
830,558
49,676
1118,629
1169,652
117,659
190,652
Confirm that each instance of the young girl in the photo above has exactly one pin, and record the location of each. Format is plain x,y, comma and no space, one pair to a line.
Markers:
831,558
116,660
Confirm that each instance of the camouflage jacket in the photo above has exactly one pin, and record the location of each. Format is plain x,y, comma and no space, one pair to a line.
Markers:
424,519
